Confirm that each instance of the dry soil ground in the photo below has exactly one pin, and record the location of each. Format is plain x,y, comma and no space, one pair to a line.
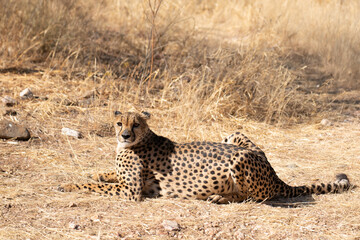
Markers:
32,208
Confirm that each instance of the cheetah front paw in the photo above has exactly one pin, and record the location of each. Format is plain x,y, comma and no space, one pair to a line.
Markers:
94,177
67,188
104,177
217,199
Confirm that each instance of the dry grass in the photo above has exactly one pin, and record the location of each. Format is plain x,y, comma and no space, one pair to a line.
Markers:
272,69
265,60
32,208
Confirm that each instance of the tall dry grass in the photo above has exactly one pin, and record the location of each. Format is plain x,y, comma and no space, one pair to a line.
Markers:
264,60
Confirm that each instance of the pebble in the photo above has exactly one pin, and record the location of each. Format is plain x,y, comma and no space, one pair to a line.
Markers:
95,218
210,231
9,112
170,225
11,130
8,101
292,165
74,226
72,204
26,93
71,132
326,122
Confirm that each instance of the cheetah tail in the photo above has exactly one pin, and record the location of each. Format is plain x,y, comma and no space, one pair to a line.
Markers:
341,184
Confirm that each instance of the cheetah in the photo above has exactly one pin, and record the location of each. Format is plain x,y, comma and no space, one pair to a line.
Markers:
242,141
149,165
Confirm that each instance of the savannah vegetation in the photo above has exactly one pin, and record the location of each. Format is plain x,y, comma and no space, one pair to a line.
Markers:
203,69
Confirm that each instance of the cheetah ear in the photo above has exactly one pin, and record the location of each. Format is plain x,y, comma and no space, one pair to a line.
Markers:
145,115
117,113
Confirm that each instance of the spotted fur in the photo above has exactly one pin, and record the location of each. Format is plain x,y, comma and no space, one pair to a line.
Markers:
148,165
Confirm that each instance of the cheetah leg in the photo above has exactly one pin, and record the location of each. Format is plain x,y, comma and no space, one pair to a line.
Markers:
253,176
259,180
123,191
129,187
110,177
241,140
226,198
101,188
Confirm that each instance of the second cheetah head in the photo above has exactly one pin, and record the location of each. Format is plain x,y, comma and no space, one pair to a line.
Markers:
130,128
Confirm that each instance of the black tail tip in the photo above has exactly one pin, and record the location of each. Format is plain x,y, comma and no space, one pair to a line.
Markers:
341,176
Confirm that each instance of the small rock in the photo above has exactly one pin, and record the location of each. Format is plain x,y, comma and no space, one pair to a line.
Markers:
210,231
10,130
292,165
170,225
10,112
71,132
26,93
72,204
74,226
326,122
95,218
8,206
8,101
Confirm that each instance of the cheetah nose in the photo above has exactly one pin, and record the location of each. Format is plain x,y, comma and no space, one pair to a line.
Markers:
125,135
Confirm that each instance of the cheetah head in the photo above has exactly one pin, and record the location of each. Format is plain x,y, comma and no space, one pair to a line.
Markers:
130,128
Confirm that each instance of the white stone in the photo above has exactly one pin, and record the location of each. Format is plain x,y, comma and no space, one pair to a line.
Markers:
26,93
71,132
292,165
325,122
170,225
74,226
8,101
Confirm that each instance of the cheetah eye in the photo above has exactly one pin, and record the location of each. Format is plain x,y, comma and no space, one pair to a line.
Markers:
119,124
136,125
